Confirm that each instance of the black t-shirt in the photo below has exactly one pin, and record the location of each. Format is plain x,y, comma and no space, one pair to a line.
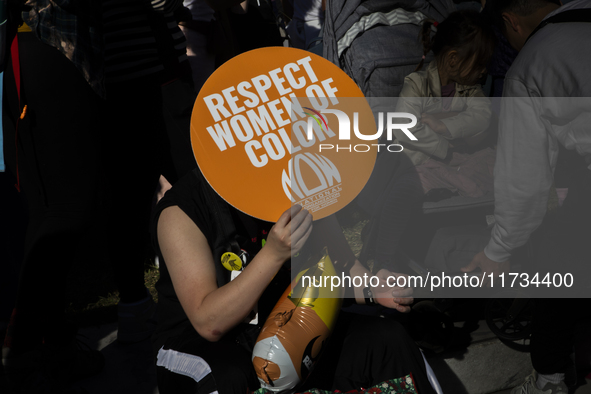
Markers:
224,227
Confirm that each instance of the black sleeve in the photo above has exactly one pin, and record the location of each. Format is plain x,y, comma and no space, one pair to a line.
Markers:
191,194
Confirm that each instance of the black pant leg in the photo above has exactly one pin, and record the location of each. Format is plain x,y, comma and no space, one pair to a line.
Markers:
57,148
231,367
364,351
553,332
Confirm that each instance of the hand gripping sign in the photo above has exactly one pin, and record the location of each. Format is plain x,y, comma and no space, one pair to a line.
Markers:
257,129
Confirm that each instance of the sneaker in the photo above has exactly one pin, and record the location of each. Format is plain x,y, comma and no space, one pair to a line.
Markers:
530,387
137,321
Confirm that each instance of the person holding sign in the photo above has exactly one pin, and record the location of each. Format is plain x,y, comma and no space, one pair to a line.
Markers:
206,328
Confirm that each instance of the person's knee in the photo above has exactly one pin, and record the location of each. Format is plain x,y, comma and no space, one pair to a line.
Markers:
234,378
225,379
173,383
390,332
380,333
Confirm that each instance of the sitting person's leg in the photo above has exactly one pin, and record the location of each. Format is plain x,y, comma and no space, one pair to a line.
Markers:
191,364
364,351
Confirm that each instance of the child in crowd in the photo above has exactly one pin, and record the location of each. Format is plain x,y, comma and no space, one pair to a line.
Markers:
463,46
453,118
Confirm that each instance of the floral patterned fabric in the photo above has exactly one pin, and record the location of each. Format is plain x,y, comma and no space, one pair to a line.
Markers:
403,385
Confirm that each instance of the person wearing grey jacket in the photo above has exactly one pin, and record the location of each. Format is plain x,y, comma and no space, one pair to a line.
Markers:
545,106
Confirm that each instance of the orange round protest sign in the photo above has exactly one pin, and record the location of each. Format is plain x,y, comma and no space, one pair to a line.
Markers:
279,126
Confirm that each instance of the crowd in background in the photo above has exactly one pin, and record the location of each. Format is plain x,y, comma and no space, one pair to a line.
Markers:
97,100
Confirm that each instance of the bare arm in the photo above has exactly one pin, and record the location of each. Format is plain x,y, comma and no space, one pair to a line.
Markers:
214,311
